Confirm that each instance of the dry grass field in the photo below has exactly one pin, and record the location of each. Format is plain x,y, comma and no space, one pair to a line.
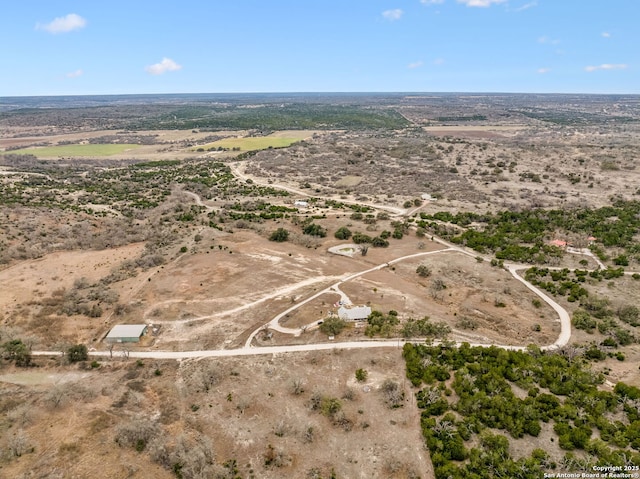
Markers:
267,416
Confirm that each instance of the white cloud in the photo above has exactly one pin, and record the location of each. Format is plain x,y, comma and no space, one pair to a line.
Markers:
166,65
605,35
438,61
527,6
417,64
63,24
542,71
480,3
392,15
606,66
75,74
548,41
431,2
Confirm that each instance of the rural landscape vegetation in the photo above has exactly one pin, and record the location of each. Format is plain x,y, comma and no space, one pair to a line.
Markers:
493,239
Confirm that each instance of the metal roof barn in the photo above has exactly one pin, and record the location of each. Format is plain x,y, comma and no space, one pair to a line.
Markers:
126,333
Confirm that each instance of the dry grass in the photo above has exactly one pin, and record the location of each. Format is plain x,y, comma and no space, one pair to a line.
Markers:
248,413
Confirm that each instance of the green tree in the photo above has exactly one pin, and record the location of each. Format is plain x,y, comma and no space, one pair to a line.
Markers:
333,326
77,353
359,238
378,242
15,350
343,233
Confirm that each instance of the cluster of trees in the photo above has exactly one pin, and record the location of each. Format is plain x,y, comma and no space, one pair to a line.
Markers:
255,211
16,351
506,232
558,281
425,328
338,205
303,116
141,186
343,233
84,298
561,390
595,313
380,324
377,242
389,325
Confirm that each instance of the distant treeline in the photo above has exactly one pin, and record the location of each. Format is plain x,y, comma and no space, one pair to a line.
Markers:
272,117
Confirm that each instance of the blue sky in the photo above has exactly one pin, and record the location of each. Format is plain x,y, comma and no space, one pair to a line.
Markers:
56,47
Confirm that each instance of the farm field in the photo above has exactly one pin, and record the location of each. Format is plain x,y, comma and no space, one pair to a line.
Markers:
249,144
78,150
276,140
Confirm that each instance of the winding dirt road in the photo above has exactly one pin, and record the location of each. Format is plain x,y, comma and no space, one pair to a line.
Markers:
248,349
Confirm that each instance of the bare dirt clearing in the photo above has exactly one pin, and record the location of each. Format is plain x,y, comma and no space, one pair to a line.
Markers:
40,277
233,290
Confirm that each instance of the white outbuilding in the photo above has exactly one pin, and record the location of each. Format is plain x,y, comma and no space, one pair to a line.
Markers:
126,333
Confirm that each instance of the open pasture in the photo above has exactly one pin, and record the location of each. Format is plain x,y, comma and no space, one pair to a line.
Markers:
250,144
78,150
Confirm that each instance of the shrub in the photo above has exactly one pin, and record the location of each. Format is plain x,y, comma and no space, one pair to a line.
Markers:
393,394
629,314
361,375
583,320
136,433
280,235
423,271
621,260
313,229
